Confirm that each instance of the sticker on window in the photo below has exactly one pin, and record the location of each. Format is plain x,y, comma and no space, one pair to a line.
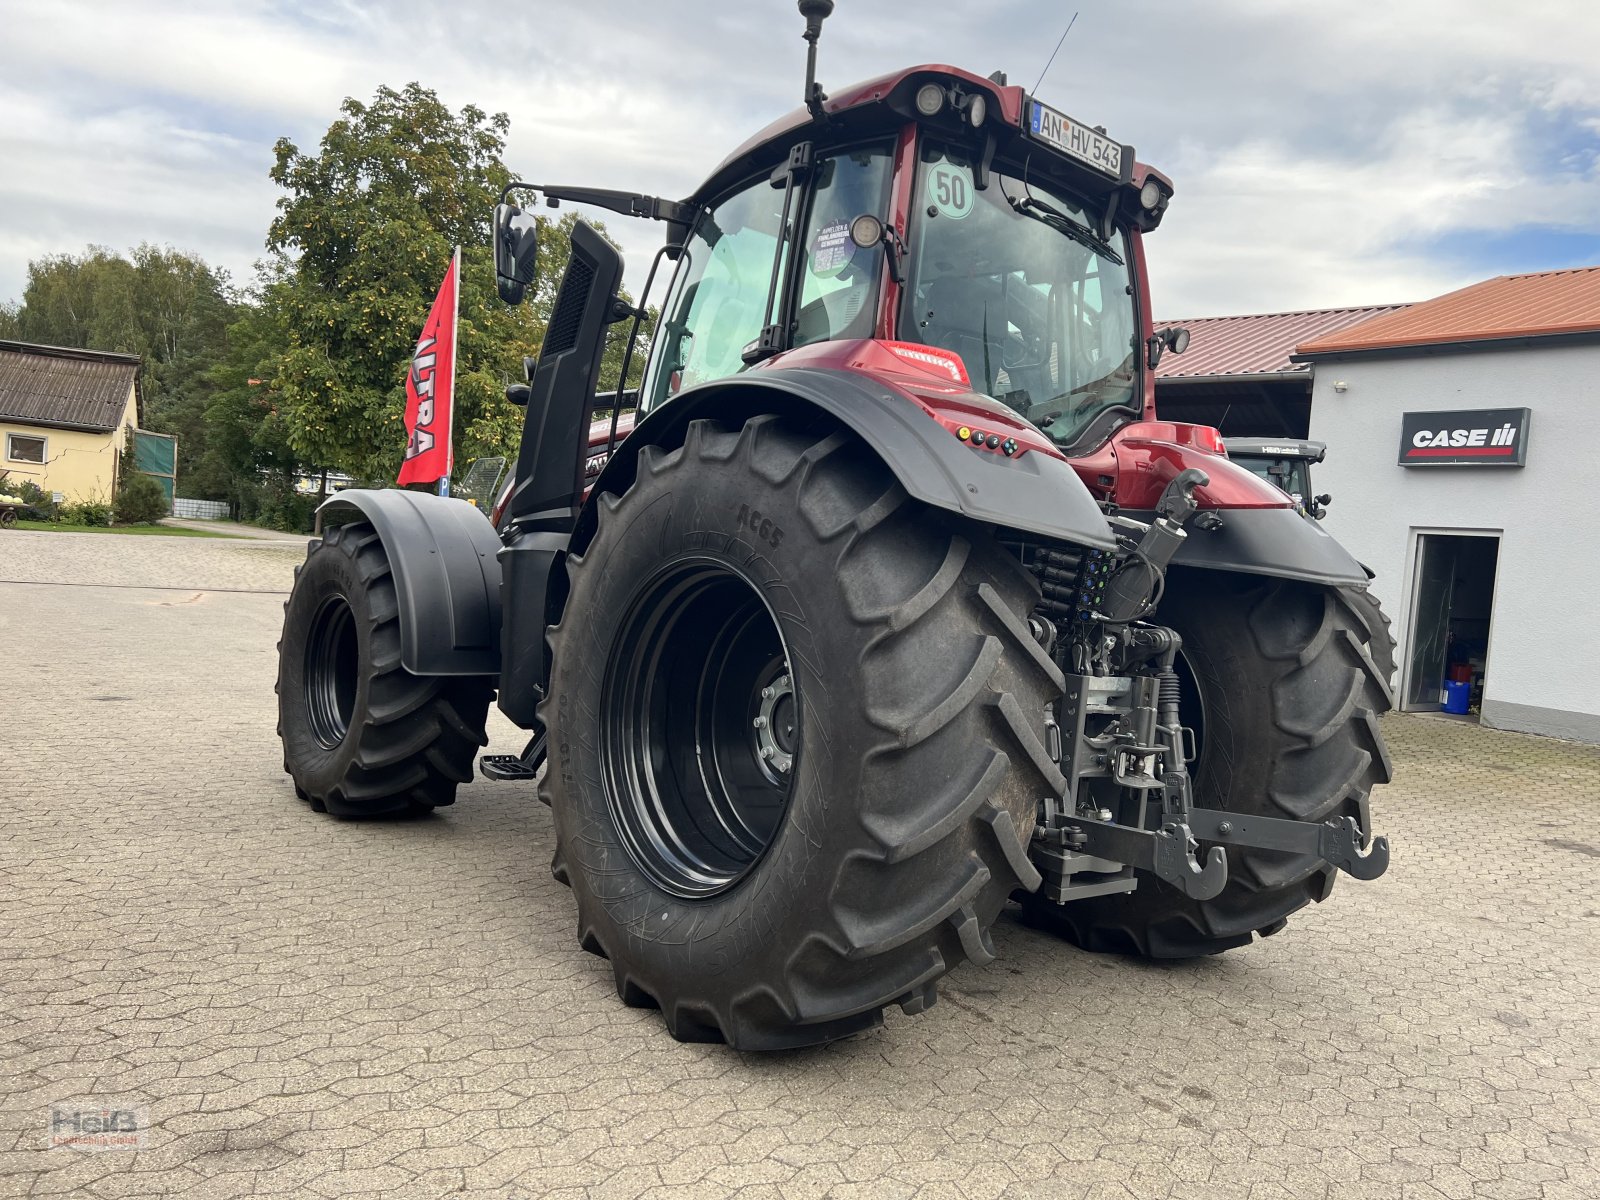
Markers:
831,249
950,190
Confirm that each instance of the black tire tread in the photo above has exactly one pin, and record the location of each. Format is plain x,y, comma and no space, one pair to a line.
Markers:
1328,754
418,736
933,858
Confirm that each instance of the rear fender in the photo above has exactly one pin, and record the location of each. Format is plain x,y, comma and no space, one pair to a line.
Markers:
446,577
1033,493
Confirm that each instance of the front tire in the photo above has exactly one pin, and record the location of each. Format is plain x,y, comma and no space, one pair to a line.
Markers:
362,736
1284,697
778,888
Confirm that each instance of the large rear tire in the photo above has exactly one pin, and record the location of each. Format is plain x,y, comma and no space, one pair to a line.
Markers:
796,738
362,736
1376,630
1284,697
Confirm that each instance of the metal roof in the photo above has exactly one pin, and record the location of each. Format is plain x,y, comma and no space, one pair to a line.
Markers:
65,388
1543,304
1257,344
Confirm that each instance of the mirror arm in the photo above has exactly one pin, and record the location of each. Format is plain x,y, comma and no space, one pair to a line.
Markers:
629,204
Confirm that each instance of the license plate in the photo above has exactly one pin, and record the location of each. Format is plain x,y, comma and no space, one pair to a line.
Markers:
1082,143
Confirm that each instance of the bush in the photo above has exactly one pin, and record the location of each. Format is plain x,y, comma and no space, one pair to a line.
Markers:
36,502
87,512
140,500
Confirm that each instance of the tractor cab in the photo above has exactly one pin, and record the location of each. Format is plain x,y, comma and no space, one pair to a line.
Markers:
935,209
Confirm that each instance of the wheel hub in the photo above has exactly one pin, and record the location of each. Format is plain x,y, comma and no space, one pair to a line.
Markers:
774,725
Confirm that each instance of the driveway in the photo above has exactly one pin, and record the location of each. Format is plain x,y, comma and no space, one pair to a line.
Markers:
308,1007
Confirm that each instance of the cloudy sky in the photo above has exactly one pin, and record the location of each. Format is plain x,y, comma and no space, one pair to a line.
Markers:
1324,153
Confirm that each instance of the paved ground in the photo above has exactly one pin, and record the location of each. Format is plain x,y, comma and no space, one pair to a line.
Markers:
234,528
314,1008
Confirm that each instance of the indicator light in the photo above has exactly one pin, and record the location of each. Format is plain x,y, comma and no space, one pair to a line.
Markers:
1009,446
977,437
992,441
963,433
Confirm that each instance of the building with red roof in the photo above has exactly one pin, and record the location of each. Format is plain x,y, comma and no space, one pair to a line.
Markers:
1460,432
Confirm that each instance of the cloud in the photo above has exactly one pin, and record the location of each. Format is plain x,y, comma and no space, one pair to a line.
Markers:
1323,155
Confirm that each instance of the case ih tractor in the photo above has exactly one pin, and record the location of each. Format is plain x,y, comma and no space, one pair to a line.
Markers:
896,605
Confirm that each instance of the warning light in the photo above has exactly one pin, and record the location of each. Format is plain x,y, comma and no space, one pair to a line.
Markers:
963,433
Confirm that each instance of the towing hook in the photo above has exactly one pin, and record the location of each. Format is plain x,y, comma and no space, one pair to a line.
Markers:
1341,846
1176,863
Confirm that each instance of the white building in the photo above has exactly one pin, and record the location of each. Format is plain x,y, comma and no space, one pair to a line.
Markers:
1461,440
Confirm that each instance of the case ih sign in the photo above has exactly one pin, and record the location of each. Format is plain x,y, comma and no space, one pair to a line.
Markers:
1479,437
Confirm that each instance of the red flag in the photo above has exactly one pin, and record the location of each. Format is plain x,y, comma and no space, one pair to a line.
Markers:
430,387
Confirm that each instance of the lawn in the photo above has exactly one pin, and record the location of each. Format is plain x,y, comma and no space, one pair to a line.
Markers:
157,530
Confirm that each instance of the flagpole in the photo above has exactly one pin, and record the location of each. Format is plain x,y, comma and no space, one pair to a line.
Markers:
455,324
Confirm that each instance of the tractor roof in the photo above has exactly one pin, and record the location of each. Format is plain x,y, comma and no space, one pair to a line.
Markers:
884,104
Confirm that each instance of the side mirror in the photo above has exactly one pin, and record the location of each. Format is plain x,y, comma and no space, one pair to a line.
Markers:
516,252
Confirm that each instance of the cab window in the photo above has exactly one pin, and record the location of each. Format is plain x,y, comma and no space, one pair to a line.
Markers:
718,300
838,279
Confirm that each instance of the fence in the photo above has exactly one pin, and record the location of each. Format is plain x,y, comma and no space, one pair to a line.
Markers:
205,510
156,455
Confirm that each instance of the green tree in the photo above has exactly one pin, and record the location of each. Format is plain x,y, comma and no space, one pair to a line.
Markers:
362,239
169,307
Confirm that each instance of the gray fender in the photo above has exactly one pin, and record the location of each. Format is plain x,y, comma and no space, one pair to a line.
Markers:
446,577
1034,494
1268,541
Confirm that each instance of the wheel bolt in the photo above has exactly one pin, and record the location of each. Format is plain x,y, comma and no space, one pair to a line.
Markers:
761,722
767,693
766,752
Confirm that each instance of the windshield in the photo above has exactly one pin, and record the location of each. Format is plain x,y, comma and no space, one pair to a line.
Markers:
1015,280
1288,474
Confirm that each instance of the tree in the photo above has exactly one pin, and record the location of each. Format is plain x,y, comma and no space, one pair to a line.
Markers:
362,240
360,244
169,307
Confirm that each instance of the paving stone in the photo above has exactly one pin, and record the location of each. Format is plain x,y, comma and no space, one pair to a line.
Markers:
312,1007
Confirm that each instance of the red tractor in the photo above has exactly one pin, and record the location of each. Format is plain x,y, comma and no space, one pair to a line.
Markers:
895,606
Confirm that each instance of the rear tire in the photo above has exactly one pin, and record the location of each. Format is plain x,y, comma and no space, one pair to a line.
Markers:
362,736
1287,721
1376,630
877,860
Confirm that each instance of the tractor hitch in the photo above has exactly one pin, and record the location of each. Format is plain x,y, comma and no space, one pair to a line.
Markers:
1337,843
1167,853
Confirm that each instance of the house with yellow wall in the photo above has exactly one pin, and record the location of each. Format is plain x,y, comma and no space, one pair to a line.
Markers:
64,418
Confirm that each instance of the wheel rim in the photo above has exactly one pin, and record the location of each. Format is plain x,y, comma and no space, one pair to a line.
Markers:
699,728
332,671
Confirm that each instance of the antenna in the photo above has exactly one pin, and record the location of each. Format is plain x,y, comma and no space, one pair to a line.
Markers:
815,12
1053,53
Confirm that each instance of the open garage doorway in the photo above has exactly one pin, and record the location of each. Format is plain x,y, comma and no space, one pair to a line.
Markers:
1452,606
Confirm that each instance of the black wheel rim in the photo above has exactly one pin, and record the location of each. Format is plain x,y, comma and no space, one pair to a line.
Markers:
699,728
332,671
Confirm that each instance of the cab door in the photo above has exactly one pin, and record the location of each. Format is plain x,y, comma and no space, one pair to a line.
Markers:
718,304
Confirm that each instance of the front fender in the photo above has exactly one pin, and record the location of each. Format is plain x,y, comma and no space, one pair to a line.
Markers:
1267,541
1033,493
446,577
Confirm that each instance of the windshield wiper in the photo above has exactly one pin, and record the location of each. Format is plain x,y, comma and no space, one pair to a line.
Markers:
1056,219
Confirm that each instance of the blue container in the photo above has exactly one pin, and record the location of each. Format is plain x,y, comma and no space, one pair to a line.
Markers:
1456,696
